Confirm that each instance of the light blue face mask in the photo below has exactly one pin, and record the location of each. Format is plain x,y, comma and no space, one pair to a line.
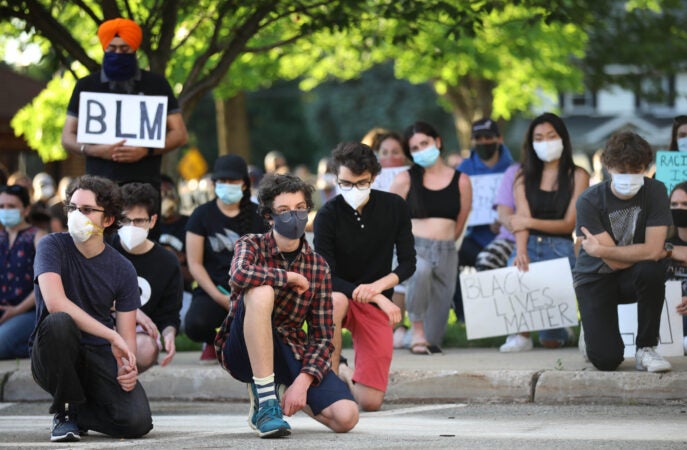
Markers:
426,157
229,193
10,217
682,144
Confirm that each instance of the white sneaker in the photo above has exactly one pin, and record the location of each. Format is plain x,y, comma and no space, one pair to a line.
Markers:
647,359
516,343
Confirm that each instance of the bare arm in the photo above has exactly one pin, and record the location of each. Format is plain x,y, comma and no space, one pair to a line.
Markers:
401,184
602,246
465,189
194,257
522,207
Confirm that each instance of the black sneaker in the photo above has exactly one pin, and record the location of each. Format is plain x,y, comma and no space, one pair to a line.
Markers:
64,428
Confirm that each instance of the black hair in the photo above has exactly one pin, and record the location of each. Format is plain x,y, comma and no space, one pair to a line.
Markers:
356,157
416,171
107,196
532,166
18,191
273,185
245,217
678,121
140,194
679,187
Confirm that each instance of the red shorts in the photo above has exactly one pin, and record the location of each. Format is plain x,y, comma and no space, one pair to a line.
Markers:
373,344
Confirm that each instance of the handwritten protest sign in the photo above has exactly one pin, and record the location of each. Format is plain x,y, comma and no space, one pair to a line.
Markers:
386,177
507,301
671,168
670,333
109,118
484,189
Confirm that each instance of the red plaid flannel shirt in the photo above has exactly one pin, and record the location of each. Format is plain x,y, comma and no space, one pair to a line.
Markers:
258,262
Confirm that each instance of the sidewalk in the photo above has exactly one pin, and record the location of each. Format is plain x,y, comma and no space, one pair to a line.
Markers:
459,375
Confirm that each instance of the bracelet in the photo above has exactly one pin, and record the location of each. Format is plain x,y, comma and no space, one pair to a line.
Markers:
83,149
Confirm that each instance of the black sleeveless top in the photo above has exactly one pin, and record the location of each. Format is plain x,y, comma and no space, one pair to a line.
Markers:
426,203
548,205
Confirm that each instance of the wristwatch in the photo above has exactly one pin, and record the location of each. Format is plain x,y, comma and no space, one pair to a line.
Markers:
668,247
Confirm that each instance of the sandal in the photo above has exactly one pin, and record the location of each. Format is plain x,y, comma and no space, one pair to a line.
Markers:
420,348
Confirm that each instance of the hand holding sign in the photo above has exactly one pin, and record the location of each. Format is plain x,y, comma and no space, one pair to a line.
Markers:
126,154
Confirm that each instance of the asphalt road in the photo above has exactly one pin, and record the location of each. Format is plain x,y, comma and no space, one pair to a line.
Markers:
205,425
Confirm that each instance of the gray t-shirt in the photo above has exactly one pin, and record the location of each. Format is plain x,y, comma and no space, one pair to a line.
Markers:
93,284
620,218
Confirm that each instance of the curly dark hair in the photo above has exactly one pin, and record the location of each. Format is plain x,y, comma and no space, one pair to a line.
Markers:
627,152
140,194
107,196
356,157
532,166
274,184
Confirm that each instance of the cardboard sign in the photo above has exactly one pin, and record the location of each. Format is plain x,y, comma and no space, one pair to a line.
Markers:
484,189
671,168
386,177
506,301
670,333
110,118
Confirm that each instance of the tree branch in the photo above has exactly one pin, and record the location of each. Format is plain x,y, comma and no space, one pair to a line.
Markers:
265,48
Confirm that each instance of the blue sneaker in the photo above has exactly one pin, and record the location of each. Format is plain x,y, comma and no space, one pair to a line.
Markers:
255,402
64,428
270,421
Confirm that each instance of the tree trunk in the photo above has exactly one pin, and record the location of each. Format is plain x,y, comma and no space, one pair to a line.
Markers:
471,99
232,126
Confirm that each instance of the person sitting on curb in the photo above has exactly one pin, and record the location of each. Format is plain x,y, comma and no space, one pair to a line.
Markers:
277,285
364,225
159,276
77,356
676,246
622,225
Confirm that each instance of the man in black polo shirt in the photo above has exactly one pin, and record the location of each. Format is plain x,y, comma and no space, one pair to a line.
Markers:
357,232
120,74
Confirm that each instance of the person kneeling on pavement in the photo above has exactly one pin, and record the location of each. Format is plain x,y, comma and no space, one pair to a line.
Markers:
622,225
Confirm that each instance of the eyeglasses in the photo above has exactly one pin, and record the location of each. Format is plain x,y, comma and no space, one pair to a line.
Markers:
347,185
287,215
140,222
85,210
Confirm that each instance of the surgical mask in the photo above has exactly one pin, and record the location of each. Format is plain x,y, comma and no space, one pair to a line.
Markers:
682,144
679,217
628,184
119,66
548,151
10,217
47,191
229,193
289,225
356,197
486,151
426,157
168,207
81,228
132,236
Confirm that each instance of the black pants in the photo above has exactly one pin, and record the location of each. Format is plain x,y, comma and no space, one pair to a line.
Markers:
203,317
85,376
598,301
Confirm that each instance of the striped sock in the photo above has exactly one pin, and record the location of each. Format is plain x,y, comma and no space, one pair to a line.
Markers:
265,387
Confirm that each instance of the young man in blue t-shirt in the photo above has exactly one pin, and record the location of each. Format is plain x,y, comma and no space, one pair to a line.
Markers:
88,368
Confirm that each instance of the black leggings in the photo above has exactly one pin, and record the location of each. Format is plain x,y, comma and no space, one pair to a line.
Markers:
203,317
598,301
85,376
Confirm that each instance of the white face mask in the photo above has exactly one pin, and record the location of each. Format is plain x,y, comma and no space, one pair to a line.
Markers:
628,184
682,144
132,236
356,197
80,227
548,151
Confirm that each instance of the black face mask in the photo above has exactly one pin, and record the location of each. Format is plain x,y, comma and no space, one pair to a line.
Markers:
679,217
486,151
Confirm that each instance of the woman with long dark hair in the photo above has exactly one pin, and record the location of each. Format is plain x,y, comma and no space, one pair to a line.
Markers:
546,189
440,198
211,232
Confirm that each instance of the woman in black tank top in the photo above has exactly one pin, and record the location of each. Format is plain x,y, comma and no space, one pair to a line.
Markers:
546,190
440,199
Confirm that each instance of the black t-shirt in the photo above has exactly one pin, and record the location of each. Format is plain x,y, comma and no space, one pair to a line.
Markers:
359,248
221,233
173,234
159,282
677,271
620,218
146,170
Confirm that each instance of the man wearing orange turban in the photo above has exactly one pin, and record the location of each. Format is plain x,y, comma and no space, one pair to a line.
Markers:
120,74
